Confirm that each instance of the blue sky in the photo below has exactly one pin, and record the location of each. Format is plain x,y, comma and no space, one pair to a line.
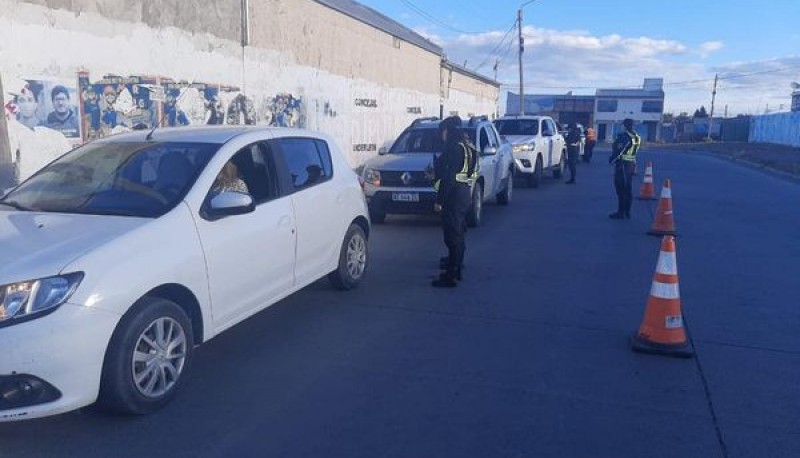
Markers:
580,45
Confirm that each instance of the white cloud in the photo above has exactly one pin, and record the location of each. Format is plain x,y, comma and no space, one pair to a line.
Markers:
557,61
709,47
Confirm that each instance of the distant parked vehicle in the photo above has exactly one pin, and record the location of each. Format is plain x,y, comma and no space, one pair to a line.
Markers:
400,180
537,145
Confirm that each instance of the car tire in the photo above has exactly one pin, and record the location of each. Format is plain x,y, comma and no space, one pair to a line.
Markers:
535,179
147,358
558,172
504,196
377,217
475,214
353,260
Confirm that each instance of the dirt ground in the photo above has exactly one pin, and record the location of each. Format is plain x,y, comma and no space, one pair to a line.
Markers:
779,157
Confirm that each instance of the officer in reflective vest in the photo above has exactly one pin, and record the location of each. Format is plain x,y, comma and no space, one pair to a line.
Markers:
623,157
455,171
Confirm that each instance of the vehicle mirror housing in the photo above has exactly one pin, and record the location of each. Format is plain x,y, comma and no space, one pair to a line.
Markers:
230,203
489,151
383,150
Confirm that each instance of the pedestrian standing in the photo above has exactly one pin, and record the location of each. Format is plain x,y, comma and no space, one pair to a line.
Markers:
455,170
573,149
623,157
591,140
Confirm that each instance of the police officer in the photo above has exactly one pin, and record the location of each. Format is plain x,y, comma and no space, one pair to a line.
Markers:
623,157
573,149
454,171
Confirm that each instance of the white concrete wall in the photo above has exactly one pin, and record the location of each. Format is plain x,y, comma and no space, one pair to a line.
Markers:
363,111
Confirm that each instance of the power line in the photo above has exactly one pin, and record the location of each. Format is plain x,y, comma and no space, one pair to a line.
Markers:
436,21
735,76
494,52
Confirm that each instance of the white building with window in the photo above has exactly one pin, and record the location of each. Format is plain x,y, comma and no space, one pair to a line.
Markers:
645,106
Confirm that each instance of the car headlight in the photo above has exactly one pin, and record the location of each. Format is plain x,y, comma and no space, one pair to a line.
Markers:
372,177
29,298
523,148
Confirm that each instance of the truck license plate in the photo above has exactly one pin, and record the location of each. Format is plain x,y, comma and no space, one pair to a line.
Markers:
405,197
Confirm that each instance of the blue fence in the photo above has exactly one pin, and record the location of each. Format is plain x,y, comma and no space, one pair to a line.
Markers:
781,128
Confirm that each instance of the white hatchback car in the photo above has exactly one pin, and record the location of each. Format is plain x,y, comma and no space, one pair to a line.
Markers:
121,256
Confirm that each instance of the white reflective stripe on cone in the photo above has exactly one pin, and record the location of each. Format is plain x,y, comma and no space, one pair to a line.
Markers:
666,193
667,264
665,290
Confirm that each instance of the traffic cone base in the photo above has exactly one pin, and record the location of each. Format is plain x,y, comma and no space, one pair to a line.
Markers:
640,345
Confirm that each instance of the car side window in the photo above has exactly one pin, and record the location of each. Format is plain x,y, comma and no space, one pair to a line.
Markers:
493,141
548,127
251,171
308,160
484,139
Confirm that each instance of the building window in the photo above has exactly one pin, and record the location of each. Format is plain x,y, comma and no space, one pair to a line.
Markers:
652,106
607,106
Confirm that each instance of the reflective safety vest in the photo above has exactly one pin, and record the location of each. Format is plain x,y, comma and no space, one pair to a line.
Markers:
629,153
464,176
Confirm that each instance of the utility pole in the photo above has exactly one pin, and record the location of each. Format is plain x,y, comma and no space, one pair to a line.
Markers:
521,50
497,99
713,100
7,175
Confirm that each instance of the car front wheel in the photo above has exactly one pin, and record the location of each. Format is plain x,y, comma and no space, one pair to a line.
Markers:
353,259
475,214
149,353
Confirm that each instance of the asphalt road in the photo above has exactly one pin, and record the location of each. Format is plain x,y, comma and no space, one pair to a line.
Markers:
529,357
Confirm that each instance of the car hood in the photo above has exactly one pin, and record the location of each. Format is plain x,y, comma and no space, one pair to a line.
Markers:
520,139
35,245
401,162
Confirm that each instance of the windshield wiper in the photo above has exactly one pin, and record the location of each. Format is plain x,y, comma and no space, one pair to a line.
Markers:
16,205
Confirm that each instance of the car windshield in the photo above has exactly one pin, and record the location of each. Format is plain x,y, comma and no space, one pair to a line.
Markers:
142,179
424,140
517,126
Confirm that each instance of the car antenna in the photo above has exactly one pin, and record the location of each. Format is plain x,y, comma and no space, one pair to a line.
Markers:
149,136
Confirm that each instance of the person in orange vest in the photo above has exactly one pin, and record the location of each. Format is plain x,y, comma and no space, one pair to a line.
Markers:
591,140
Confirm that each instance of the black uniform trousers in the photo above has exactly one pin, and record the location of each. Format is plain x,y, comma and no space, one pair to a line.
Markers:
623,182
455,204
573,153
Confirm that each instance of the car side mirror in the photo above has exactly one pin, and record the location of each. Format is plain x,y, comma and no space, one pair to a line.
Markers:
384,150
489,151
230,203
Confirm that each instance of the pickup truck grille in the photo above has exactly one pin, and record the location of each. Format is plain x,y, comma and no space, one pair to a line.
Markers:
395,180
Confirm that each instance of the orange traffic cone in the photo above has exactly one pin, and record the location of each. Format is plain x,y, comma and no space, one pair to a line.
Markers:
662,331
648,190
664,223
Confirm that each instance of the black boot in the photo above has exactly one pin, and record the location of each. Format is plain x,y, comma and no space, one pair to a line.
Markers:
445,280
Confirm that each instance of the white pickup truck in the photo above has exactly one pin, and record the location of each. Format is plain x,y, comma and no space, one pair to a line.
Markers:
536,144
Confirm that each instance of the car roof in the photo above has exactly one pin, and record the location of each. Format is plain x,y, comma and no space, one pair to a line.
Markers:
195,134
435,124
520,117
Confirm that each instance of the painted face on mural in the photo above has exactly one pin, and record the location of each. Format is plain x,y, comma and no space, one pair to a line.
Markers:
61,103
27,105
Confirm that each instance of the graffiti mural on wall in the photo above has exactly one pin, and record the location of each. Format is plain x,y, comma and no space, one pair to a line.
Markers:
116,104
283,110
46,103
